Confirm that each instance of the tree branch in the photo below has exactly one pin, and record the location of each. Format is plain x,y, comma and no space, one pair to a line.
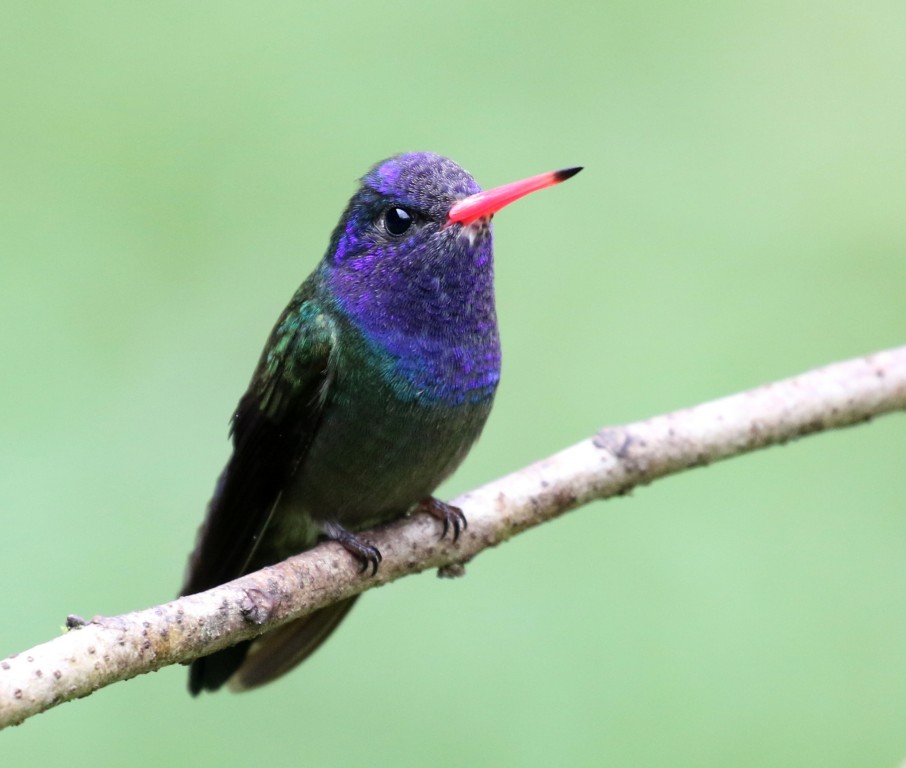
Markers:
100,652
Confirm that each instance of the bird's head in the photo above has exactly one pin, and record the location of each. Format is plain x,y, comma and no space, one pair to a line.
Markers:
419,210
412,254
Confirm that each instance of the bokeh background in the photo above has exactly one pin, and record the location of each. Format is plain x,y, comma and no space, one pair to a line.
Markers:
171,172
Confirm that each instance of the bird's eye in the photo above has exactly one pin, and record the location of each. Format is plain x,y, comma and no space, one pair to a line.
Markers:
397,220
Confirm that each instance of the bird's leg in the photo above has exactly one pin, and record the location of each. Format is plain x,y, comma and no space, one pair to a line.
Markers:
367,553
446,513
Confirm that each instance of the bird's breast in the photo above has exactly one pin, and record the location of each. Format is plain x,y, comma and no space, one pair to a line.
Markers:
401,413
432,372
382,445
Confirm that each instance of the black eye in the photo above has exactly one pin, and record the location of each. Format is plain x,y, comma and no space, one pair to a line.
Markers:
397,220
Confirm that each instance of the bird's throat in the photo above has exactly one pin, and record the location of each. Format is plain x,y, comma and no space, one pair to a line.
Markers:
433,337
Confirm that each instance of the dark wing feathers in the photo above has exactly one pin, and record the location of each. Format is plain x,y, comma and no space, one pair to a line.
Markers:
271,430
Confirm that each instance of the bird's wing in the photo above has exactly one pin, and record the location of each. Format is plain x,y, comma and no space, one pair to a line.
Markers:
272,429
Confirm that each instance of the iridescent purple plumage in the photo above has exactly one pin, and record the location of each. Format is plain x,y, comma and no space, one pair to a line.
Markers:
426,301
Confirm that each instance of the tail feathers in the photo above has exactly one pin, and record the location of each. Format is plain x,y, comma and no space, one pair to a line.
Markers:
279,651
211,672
253,663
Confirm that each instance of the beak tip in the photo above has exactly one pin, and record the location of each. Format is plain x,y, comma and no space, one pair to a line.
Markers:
567,173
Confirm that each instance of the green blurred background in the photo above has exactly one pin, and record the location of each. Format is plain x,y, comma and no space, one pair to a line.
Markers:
171,172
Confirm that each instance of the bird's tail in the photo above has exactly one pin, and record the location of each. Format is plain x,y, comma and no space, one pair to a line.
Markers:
259,661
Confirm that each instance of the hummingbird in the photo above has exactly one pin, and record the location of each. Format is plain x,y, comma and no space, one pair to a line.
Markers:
374,384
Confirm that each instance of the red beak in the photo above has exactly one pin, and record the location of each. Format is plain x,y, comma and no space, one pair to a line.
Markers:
490,201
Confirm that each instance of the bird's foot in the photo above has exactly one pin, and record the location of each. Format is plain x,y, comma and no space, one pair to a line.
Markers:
367,553
449,515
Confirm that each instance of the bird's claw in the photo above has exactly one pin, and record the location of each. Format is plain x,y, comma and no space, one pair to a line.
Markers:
449,515
369,555
364,551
